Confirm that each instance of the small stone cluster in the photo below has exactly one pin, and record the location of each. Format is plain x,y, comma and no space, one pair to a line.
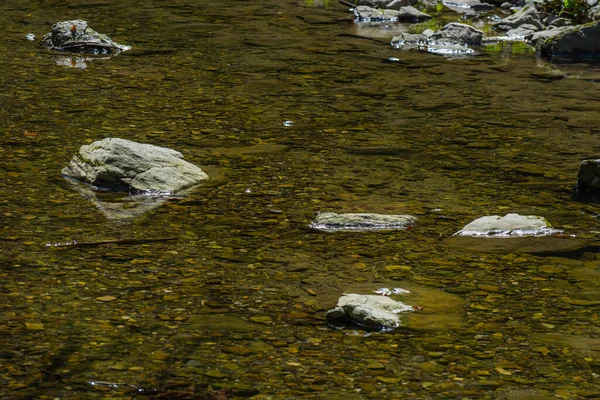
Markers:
550,34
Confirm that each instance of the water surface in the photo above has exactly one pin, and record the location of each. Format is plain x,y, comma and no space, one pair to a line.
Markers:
228,307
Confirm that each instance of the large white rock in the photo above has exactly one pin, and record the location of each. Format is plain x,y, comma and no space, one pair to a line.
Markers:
509,225
123,165
370,311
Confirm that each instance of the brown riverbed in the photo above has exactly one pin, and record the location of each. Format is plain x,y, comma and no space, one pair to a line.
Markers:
234,306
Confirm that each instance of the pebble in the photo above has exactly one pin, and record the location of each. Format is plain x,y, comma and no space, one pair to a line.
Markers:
106,298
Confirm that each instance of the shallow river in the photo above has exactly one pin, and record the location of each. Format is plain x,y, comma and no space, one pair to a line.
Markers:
230,302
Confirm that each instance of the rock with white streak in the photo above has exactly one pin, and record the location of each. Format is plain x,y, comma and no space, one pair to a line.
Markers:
368,311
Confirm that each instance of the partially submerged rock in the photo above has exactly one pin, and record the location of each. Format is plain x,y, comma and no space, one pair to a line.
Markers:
123,165
588,178
510,225
527,15
368,311
75,36
430,309
583,40
453,39
332,222
458,34
514,233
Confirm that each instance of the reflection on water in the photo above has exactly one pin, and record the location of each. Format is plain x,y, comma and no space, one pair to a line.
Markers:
235,306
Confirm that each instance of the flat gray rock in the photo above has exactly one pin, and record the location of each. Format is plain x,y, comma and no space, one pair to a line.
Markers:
333,222
122,165
456,33
370,14
407,13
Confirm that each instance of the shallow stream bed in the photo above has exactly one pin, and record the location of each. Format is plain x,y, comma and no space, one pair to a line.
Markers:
233,304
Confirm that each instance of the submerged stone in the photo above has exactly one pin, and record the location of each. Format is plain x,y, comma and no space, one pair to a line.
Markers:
518,245
579,342
332,222
123,165
75,36
220,323
369,311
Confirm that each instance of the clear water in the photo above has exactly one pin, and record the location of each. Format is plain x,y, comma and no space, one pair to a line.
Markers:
230,298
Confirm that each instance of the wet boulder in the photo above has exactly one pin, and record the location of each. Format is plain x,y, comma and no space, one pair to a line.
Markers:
540,36
522,32
456,33
588,178
411,14
369,311
582,40
527,15
333,222
369,14
123,165
75,36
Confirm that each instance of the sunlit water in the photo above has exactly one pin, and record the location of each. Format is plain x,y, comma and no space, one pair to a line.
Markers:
293,114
